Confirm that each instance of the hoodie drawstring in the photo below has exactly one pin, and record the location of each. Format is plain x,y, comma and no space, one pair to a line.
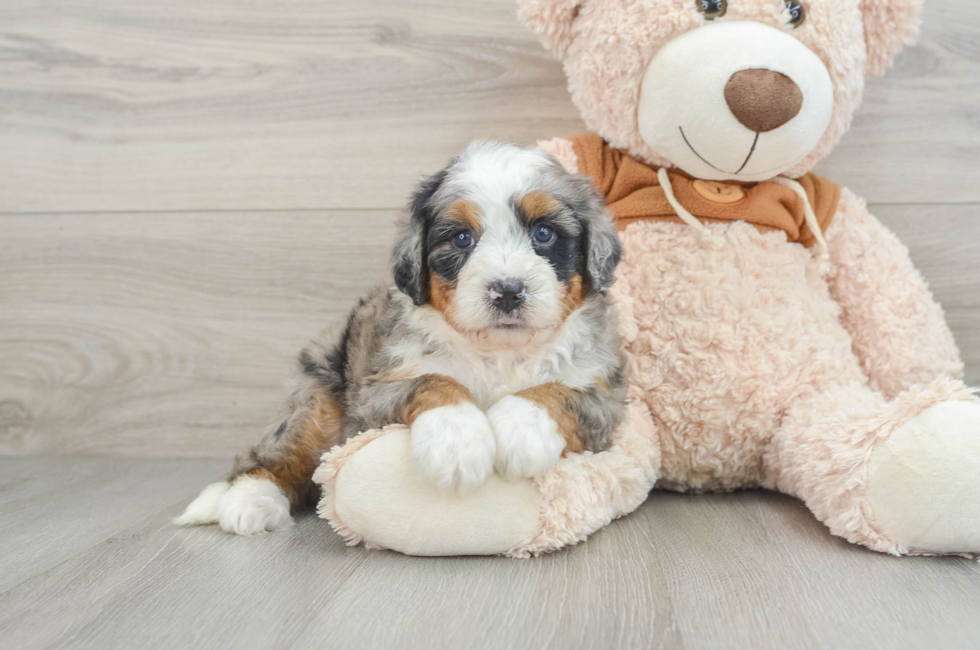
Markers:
811,220
717,242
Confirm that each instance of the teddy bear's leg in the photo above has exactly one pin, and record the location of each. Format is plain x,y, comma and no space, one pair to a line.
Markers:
901,477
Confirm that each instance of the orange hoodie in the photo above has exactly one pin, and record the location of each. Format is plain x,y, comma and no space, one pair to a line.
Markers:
633,193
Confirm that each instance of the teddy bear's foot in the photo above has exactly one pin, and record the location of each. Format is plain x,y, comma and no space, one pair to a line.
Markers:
924,481
380,495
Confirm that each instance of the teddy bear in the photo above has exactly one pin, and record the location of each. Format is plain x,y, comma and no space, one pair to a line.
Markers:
778,335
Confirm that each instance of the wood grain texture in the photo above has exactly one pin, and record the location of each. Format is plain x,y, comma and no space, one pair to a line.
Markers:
114,105
664,577
167,334
170,335
54,508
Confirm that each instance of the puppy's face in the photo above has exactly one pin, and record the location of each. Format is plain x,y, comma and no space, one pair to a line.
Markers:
505,244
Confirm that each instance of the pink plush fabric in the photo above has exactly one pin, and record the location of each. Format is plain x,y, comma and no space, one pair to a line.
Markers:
744,358
606,45
563,150
889,25
758,371
551,20
727,341
898,330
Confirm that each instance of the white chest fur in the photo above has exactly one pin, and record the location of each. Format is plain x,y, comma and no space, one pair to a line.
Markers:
490,374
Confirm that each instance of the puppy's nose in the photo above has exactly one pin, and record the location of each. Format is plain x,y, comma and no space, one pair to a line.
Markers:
762,100
506,295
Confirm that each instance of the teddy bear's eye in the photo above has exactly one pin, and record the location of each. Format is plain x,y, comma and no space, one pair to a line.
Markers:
712,8
796,14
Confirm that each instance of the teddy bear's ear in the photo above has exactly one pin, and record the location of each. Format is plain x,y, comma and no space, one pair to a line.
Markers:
888,26
551,20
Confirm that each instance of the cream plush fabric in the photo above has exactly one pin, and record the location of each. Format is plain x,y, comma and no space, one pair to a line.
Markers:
750,365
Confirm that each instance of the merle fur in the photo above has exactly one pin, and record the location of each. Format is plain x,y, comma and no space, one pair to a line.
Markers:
348,365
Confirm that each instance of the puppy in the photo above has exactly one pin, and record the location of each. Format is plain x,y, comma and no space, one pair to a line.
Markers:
498,346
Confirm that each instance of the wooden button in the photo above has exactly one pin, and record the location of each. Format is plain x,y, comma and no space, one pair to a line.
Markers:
718,192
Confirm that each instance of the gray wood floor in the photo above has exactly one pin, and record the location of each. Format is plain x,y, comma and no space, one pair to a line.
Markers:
189,191
88,559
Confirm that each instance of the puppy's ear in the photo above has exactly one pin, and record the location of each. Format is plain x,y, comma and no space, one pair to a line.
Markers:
408,264
602,247
888,26
551,20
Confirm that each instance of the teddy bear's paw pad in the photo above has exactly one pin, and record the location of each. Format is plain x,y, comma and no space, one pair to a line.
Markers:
453,446
528,442
204,509
924,480
253,506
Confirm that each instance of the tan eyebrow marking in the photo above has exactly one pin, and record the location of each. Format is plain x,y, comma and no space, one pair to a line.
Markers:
465,212
539,204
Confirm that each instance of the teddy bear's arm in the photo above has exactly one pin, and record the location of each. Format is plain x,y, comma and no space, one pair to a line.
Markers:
898,329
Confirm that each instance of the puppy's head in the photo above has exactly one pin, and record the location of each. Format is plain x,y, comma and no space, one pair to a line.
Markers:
505,243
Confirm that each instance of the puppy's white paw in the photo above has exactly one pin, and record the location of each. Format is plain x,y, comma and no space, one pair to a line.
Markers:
204,509
528,441
253,506
453,445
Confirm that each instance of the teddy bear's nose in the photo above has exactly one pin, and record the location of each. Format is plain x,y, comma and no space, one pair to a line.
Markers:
762,100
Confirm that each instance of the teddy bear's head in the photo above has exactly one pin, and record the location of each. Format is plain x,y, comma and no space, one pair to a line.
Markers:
723,89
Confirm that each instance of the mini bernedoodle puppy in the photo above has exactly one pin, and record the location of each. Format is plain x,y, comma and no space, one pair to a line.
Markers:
498,348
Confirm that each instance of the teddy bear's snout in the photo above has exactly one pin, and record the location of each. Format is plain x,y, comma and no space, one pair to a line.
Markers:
762,100
759,110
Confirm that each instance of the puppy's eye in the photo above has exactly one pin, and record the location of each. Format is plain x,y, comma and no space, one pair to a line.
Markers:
796,14
463,240
543,235
712,8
